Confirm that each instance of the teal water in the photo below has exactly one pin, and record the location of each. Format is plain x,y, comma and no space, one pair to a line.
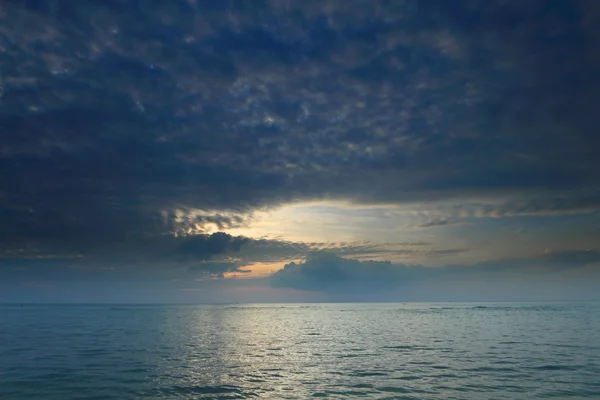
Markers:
391,351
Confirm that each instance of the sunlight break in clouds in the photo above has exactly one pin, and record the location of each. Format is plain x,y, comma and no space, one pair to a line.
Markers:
170,141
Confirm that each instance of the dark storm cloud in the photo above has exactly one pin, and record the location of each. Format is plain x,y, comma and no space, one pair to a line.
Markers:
324,271
115,114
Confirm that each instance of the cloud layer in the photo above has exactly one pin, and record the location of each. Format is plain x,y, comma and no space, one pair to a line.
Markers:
329,273
128,126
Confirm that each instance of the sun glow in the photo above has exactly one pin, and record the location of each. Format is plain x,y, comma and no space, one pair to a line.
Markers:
317,221
256,270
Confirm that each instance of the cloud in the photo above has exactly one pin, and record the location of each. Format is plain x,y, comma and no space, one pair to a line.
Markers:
436,222
167,257
204,247
188,222
431,223
549,260
436,212
326,271
322,271
281,250
137,121
219,268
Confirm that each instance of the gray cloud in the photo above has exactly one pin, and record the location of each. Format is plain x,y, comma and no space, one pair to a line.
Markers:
204,247
218,268
559,260
435,222
167,257
324,271
132,110
431,223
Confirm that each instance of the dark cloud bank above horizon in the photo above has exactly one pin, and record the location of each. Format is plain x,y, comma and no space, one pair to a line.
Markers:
128,127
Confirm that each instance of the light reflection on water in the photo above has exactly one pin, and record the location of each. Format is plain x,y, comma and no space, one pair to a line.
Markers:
411,351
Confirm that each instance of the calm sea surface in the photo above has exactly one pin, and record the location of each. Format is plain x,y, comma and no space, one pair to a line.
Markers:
392,351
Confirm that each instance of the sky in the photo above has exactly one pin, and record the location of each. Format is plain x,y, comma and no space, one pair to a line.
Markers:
299,150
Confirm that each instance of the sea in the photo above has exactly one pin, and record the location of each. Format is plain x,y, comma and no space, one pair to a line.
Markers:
301,351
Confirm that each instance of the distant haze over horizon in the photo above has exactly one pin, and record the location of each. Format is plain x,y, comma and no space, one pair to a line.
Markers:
299,151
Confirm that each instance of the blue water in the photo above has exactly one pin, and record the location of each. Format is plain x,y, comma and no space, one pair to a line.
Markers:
391,351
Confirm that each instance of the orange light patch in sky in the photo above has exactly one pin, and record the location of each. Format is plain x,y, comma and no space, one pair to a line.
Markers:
257,269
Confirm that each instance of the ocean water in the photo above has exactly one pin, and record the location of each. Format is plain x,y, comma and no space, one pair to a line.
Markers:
380,351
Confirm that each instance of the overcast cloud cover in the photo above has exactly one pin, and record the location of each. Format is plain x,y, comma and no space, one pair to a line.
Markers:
148,150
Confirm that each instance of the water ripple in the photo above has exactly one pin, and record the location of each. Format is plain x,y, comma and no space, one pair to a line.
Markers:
411,351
